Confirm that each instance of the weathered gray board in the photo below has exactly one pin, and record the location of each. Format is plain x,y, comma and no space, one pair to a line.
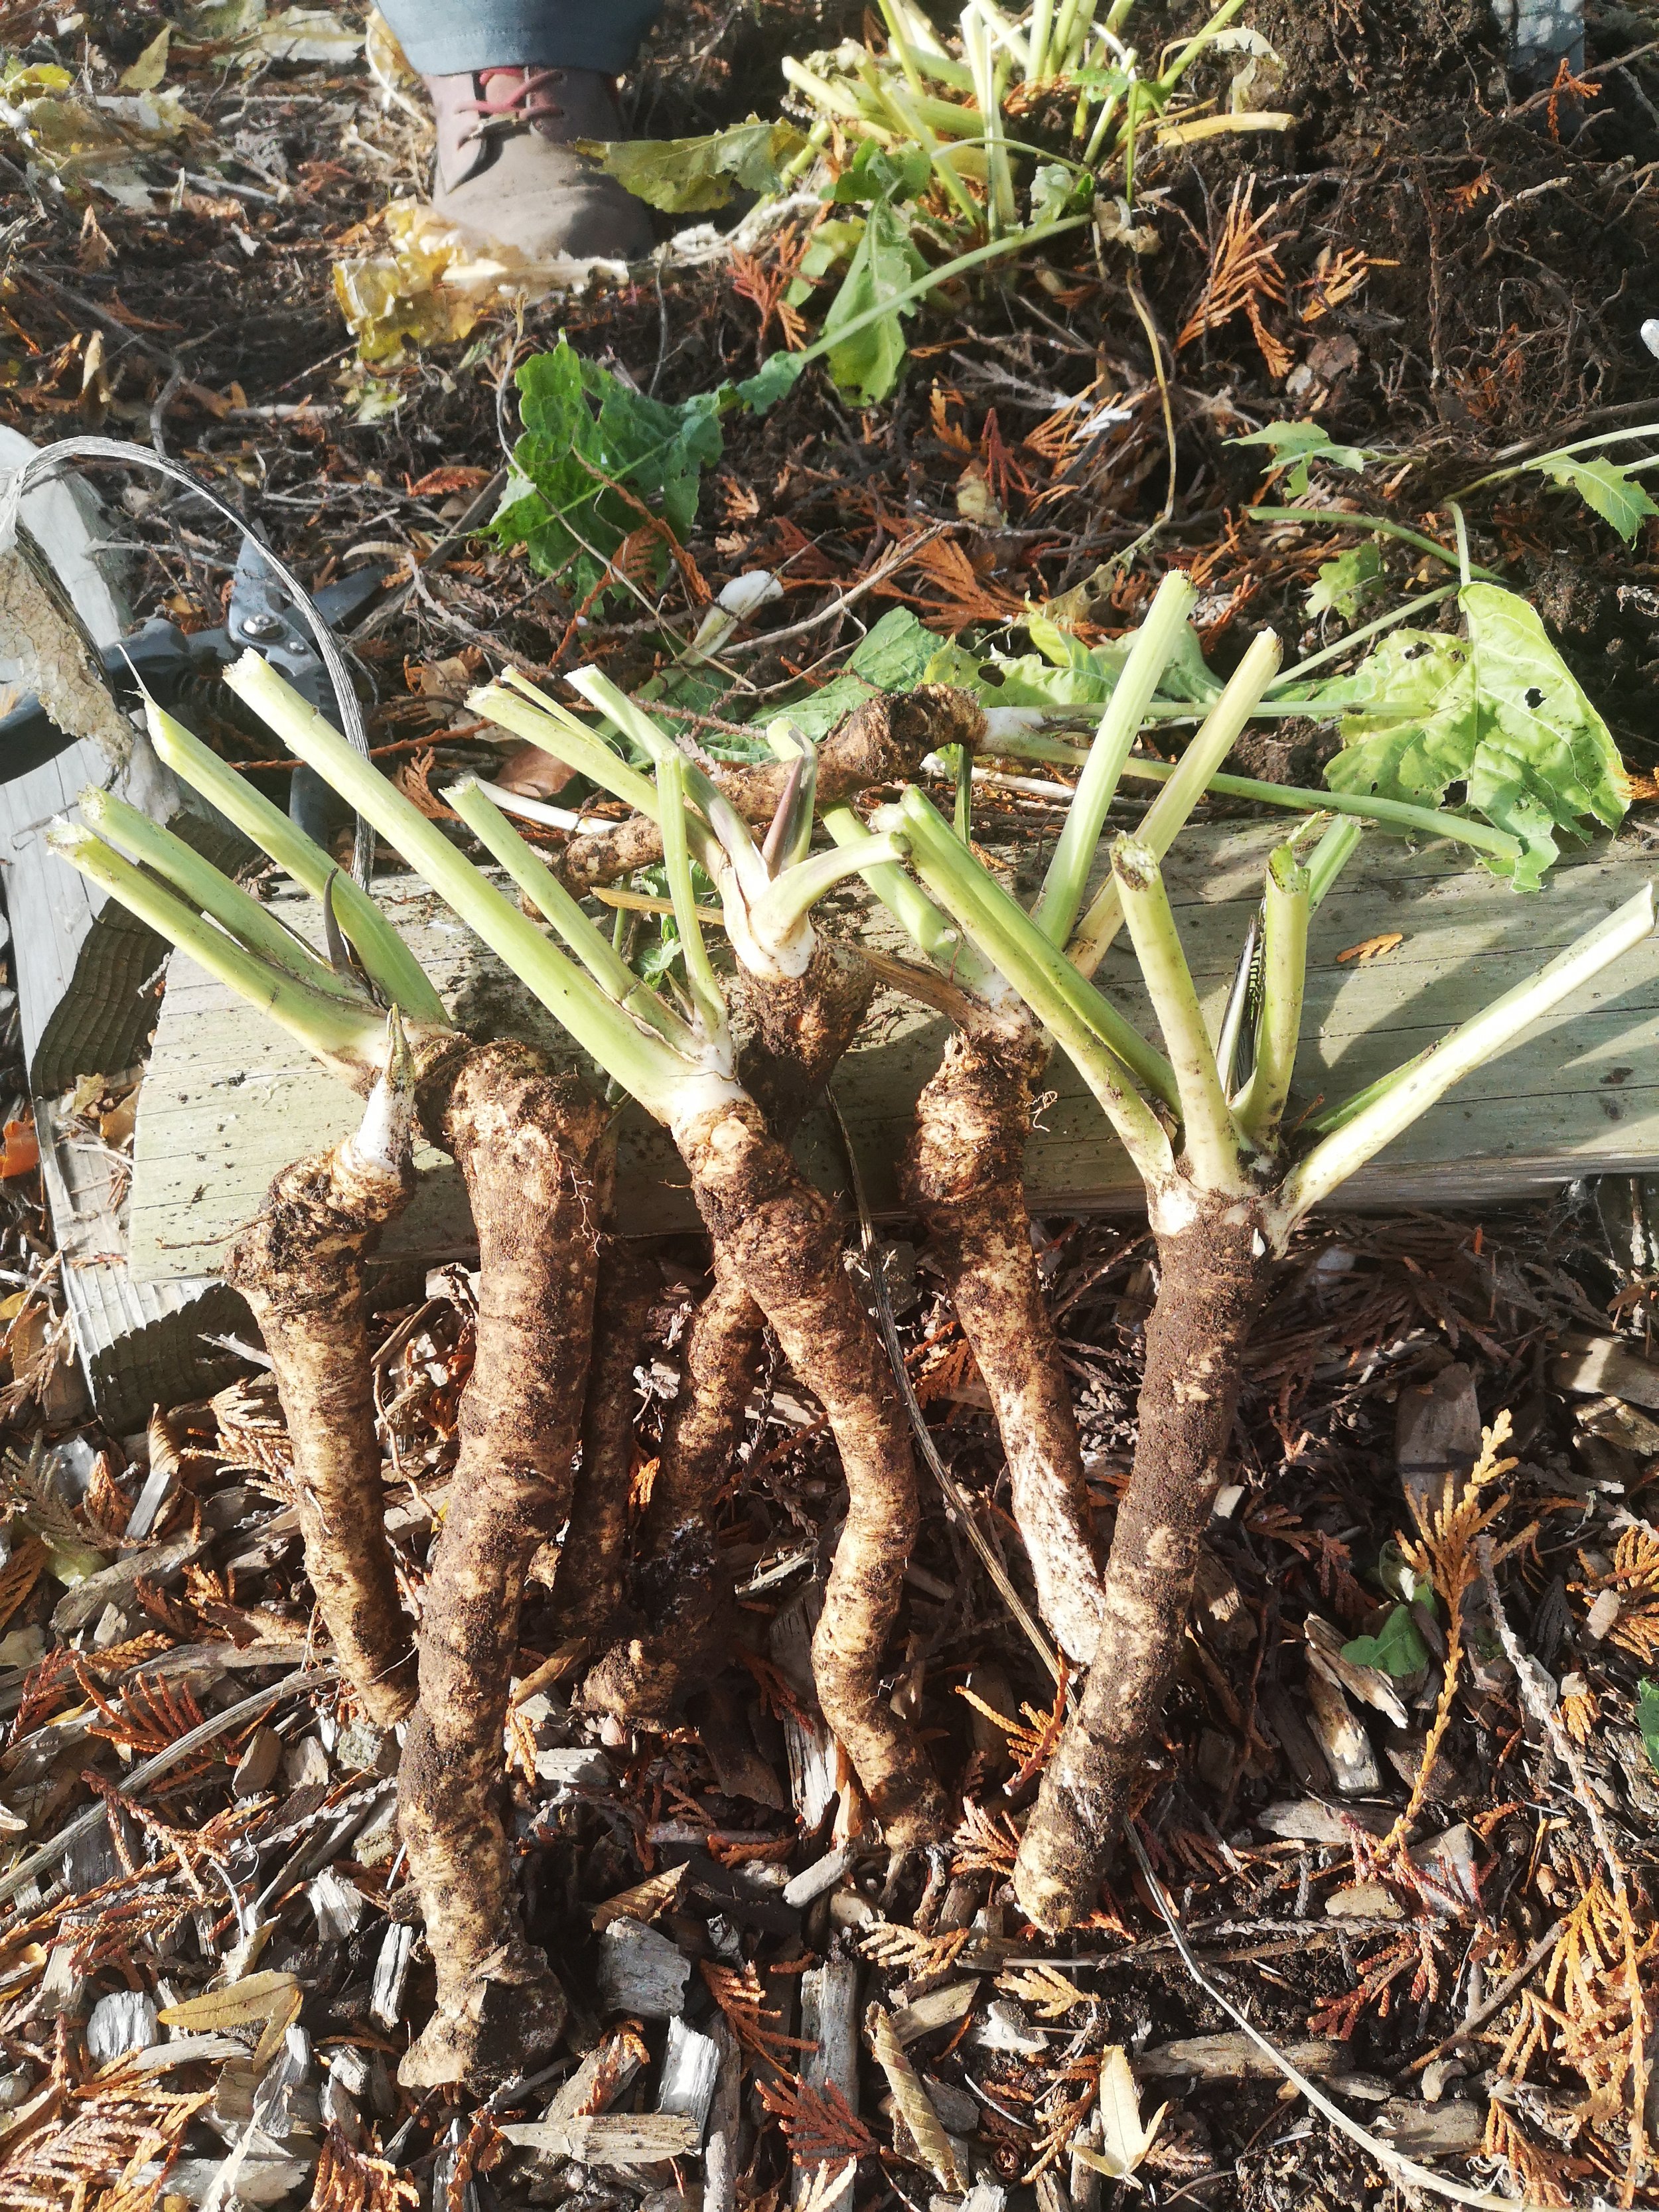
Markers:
78,961
230,1100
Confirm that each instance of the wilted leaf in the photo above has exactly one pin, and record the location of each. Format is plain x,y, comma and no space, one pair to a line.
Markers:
597,461
1344,582
1397,1648
880,172
916,2106
1612,492
1123,2141
306,34
685,176
151,66
867,363
1501,714
246,2003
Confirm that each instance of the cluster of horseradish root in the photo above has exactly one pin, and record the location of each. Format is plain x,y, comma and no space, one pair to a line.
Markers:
545,1424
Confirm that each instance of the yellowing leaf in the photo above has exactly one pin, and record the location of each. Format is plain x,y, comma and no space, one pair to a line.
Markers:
151,66
1123,2141
257,2000
1372,948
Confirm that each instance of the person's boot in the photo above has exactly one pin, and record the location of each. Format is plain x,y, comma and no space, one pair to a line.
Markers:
508,175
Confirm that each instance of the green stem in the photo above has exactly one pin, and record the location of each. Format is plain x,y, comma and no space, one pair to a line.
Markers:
1401,1099
704,984
643,1064
544,723
1559,454
597,953
792,895
1423,821
1283,978
387,961
1155,642
1042,21
349,1042
251,923
1193,773
927,927
1195,45
1380,528
1375,628
1330,856
1209,1139
1107,1050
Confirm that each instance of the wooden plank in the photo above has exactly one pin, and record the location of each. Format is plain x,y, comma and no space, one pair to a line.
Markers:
229,1101
79,961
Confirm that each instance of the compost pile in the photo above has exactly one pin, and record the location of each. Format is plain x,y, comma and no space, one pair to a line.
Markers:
1383,1901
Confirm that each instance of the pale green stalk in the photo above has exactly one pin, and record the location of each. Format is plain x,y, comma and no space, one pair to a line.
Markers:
1209,1138
1329,857
545,723
1559,454
924,40
1169,811
387,961
1042,21
731,834
704,984
1390,621
1103,121
644,1064
897,40
1195,45
791,895
833,97
1056,908
908,115
927,928
543,888
348,1041
1108,1049
817,139
1423,821
1283,978
1064,26
251,923
1401,1099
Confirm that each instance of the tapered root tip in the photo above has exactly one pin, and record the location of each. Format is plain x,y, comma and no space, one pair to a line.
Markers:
1048,1901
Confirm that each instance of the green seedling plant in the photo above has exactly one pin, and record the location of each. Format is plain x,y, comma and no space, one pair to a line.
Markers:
1226,1184
527,1141
771,1230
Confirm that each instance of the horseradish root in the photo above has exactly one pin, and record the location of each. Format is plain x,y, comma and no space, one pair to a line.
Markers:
299,1266
1211,1279
589,1586
527,1142
964,1178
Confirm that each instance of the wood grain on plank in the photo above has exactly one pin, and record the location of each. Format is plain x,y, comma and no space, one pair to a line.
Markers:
230,1100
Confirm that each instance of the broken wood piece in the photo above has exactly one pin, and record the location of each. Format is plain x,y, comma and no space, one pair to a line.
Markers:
1347,1747
609,2138
1436,1432
691,2068
813,1765
1606,1367
802,1889
1368,1683
641,1971
607,2071
1233,2058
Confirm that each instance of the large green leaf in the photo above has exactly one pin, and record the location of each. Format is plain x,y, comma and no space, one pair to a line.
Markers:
1500,714
597,460
685,176
891,657
867,364
1064,672
1397,1648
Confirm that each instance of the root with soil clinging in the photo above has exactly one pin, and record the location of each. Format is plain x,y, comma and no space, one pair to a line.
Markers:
527,1142
301,1267
588,1589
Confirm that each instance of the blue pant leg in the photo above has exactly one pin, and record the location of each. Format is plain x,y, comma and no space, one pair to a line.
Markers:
442,38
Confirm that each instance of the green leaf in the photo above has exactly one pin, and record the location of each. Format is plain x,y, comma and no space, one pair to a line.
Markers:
1064,672
774,380
1294,444
1396,1648
1612,492
1647,1719
1501,714
597,459
867,363
1056,191
877,173
1344,582
686,176
892,657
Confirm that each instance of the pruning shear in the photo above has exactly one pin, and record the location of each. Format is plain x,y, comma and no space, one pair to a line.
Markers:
169,664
